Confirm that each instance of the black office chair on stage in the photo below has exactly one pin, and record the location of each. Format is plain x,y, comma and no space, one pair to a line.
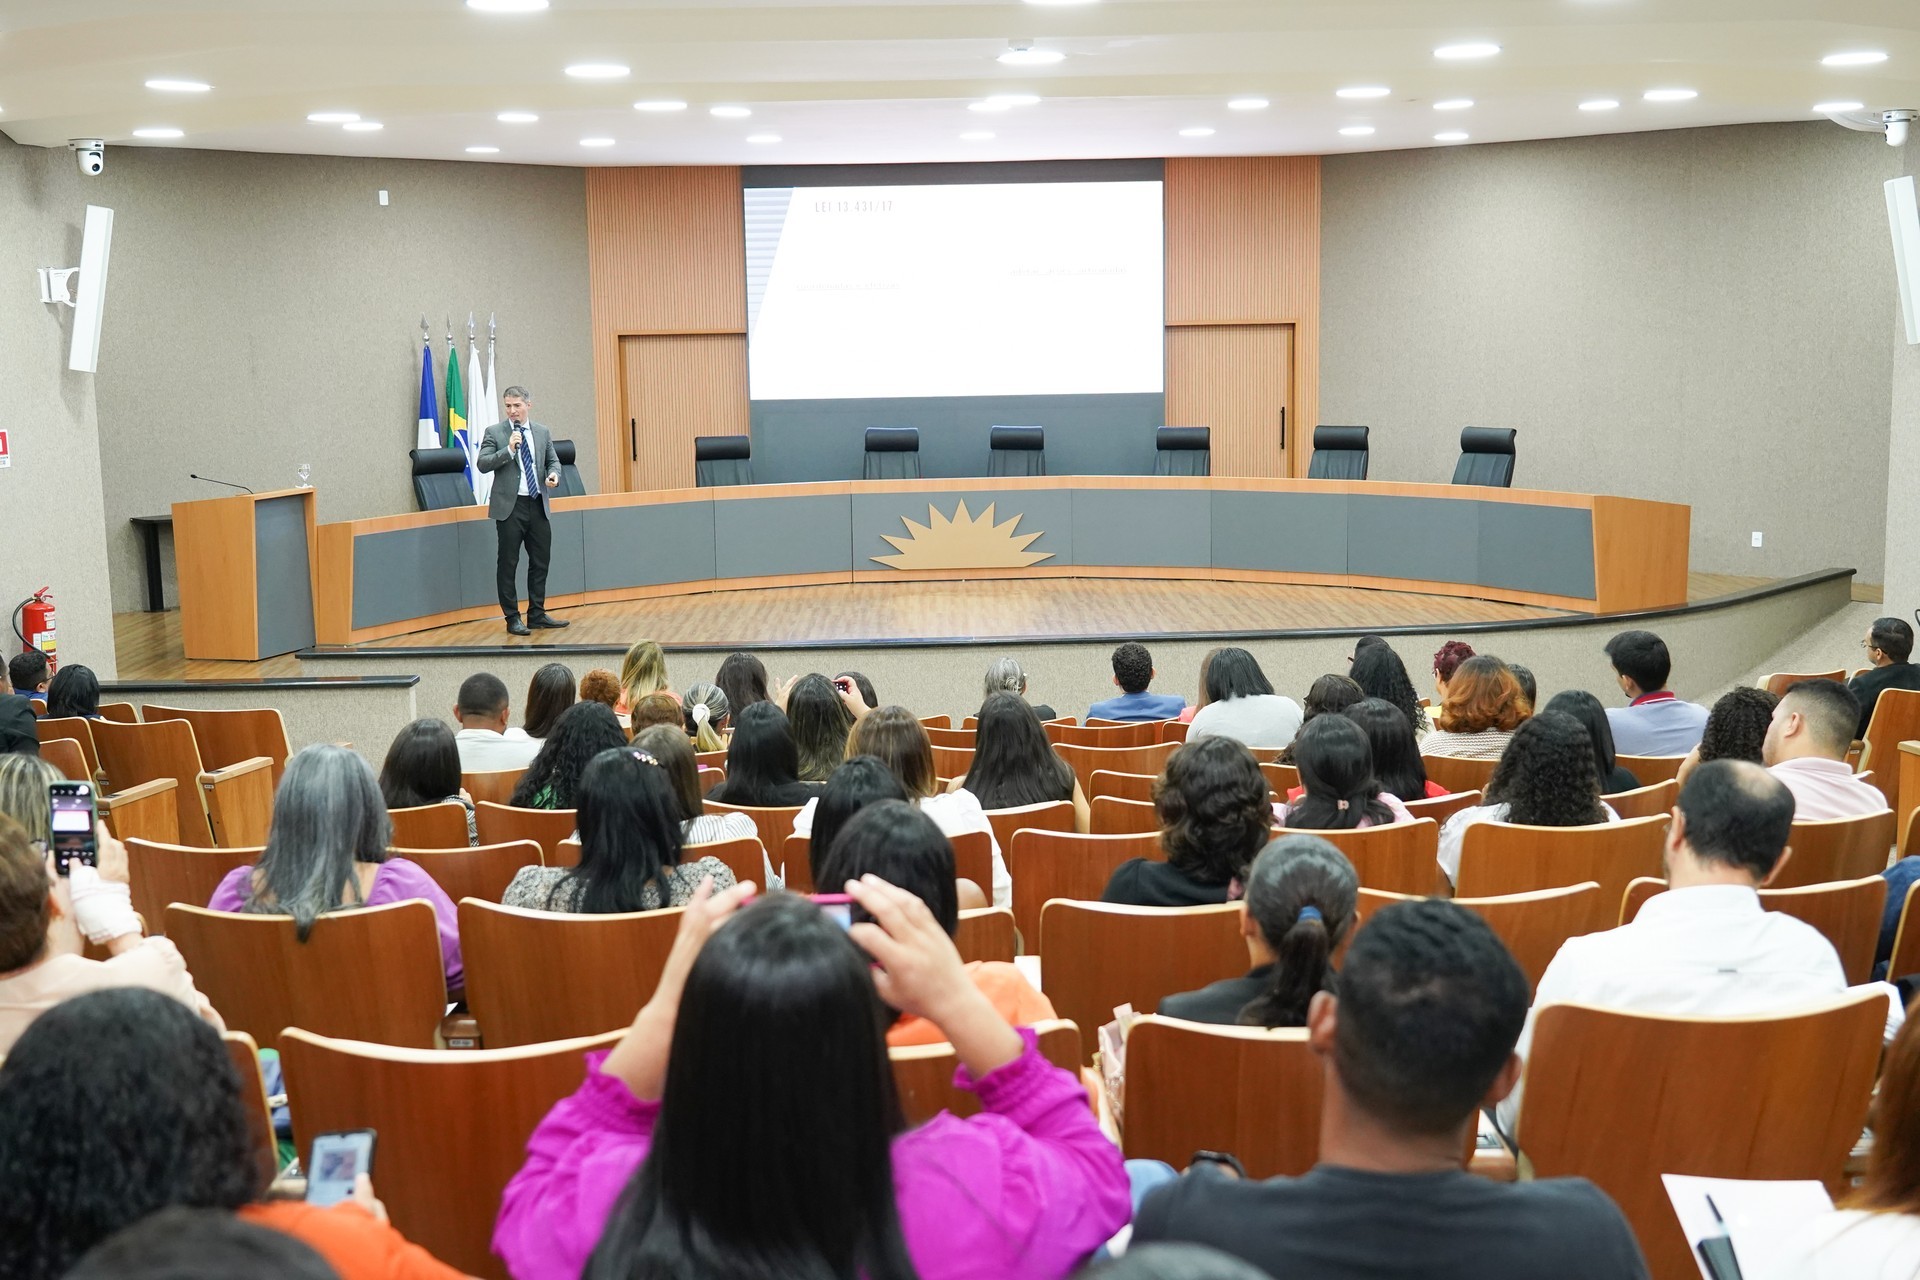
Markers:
893,453
722,460
1339,453
1486,457
1017,451
1182,451
440,479
571,485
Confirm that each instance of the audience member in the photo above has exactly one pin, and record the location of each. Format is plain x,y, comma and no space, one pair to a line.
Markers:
1200,697
17,733
1545,779
656,709
743,678
1654,722
25,798
423,767
899,844
865,687
1377,669
1446,660
1529,687
1297,910
327,850
1582,706
1004,675
1806,748
1132,673
1330,693
74,691
821,718
550,692
1479,711
1889,643
707,712
642,672
30,672
1396,756
199,1244
630,845
552,781
117,1104
778,1008
856,784
600,685
486,743
763,763
1013,763
1340,791
1215,815
1417,1035
670,747
1242,705
1736,730
1706,946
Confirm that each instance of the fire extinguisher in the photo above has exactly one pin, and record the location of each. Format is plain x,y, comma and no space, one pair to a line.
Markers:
38,631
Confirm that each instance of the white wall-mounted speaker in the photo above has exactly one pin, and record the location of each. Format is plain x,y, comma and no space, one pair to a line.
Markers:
1903,212
90,299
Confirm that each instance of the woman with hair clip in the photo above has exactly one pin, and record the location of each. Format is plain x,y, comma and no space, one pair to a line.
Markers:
1545,779
1014,765
1329,694
707,710
1005,675
1377,669
748,1124
1336,774
550,692
1299,907
670,747
423,767
762,762
582,732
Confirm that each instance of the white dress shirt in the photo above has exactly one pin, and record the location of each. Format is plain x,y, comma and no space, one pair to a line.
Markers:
1849,1244
1710,950
484,751
1453,832
1827,789
956,813
1260,720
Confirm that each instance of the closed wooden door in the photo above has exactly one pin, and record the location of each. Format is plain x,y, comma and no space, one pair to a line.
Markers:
674,387
1238,380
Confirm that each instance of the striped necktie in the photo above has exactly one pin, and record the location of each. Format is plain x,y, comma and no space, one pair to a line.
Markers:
526,461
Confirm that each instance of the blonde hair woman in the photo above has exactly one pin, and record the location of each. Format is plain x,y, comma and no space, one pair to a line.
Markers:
643,672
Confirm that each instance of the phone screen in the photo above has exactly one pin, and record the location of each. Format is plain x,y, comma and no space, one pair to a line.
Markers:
338,1158
838,906
72,822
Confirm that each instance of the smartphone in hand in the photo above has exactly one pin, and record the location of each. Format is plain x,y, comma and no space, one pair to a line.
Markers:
337,1160
838,906
72,820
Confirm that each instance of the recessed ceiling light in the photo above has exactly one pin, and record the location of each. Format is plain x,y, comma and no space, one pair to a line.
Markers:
1838,108
178,86
1467,49
730,113
1198,131
158,133
1248,104
763,139
363,126
599,71
334,117
483,151
1600,104
507,6
1451,135
1356,131
976,135
1453,104
1858,58
1363,91
596,142
660,105
1025,55
517,117
1670,95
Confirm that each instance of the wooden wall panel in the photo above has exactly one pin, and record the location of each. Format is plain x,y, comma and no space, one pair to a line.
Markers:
666,255
675,387
1235,379
1243,248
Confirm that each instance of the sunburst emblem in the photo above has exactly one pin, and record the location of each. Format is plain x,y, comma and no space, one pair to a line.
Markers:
963,542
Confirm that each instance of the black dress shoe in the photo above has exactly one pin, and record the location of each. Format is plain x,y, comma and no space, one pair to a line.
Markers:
515,627
547,622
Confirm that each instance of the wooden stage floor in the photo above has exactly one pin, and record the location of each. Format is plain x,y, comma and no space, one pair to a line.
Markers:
148,644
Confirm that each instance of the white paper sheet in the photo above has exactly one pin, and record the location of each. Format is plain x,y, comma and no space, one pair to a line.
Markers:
1759,1216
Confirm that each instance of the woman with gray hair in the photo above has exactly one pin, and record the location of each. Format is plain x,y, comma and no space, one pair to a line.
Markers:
707,710
327,850
1005,676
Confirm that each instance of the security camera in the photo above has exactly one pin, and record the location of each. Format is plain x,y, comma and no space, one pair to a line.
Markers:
1897,122
91,153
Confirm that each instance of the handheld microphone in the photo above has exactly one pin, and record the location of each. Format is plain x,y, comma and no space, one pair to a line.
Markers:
210,480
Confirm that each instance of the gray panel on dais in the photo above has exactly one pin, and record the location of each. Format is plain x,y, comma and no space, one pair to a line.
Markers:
1280,532
480,551
1529,548
1048,513
405,573
1156,528
283,575
648,546
1398,537
762,537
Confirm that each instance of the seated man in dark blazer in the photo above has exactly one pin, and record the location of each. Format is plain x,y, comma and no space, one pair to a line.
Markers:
1889,644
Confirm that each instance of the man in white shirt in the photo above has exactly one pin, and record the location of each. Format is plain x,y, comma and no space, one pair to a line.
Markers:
1806,748
486,744
1705,946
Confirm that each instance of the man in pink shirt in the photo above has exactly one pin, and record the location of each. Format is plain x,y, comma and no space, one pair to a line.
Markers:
1806,748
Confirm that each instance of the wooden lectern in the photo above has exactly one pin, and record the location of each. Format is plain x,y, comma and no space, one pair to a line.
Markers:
246,574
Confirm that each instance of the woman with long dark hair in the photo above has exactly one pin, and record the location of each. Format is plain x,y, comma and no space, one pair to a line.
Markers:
1546,778
74,691
821,718
1299,907
762,762
423,767
675,753
1377,669
1328,695
748,1126
1341,792
1586,708
582,732
1014,764
743,678
550,692
630,846
1396,756
856,784
1215,812
1242,705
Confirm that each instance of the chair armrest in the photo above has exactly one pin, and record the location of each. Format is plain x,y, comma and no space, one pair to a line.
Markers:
214,777
239,801
132,795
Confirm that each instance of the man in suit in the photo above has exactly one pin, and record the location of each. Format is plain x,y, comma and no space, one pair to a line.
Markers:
520,507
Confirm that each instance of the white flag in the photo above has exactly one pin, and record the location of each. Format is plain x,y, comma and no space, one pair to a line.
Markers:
485,414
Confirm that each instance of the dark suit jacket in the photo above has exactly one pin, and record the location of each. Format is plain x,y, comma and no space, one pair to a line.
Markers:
1871,683
498,457
16,727
1219,1002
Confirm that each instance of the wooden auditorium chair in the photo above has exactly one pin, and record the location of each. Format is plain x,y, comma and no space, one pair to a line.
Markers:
1645,802
495,785
1779,682
244,1056
1847,913
774,822
232,737
1399,857
1086,760
1097,956
1440,808
67,759
1121,786
480,871
1500,858
150,811
1139,734
430,826
163,873
1113,816
1651,769
1457,773
985,934
1063,864
120,712
960,738
1829,849
1532,925
746,857
952,762
504,824
229,806
541,975
1904,961
1193,1087
1052,815
923,1074
80,730
1281,778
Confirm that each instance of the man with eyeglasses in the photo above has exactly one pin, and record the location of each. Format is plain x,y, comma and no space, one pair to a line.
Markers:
1889,643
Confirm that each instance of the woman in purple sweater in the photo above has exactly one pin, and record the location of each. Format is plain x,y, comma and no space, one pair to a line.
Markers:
747,1124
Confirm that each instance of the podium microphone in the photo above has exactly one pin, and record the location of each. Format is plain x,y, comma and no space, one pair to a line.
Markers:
210,480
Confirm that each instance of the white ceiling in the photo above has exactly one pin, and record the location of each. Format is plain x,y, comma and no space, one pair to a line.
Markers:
890,80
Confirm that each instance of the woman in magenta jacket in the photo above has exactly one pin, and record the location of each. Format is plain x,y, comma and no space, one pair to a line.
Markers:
748,1125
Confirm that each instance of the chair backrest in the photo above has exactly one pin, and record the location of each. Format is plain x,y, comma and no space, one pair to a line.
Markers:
1086,761
774,823
711,760
1648,770
1533,925
244,1056
1794,1108
1183,451
68,757
483,871
1458,773
440,479
961,738
1498,858
1017,451
707,778
150,811
1440,808
571,485
1281,778
1063,864
985,934
1896,719
430,826
374,973
1339,453
1144,733
923,1074
169,873
952,762
121,712
525,969
134,753
1121,786
722,460
1400,857
1486,457
893,453
1846,912
1644,802
1258,1096
1099,956
937,722
453,1126
797,853
1780,681
231,737
495,786
1116,817
503,824
50,728
1054,815
745,856
1830,849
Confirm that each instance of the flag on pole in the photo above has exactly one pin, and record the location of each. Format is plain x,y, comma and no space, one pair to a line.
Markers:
428,436
482,417
458,437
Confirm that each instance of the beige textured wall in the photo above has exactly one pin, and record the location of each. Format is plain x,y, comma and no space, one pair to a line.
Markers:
50,498
1697,316
1903,460
265,310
